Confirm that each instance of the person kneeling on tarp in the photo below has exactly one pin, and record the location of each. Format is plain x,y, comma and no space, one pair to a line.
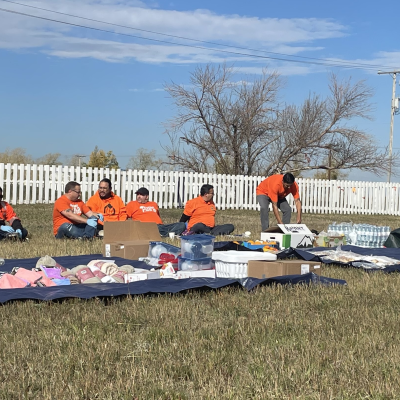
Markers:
200,214
7,214
67,215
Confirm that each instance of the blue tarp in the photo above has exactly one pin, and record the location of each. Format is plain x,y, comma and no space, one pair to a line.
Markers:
137,288
309,256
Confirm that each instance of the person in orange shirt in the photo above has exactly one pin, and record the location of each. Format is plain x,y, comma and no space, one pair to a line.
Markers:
200,214
67,215
8,215
274,189
104,201
147,211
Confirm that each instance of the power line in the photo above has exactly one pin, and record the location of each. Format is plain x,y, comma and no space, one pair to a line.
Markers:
326,64
346,63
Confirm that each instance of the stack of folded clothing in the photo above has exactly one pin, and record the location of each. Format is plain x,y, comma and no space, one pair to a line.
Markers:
49,273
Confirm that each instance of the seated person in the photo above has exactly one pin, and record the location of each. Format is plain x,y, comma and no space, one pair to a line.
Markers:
147,211
7,214
67,215
104,201
200,212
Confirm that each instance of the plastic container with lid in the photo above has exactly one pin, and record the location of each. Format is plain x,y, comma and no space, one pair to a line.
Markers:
197,246
187,264
158,248
233,264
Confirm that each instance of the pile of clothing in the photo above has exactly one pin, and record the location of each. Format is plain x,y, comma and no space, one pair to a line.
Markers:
48,272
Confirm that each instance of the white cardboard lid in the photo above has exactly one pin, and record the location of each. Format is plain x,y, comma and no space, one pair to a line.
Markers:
242,256
294,228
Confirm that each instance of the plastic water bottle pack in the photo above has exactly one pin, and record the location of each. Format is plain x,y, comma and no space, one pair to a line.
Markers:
364,235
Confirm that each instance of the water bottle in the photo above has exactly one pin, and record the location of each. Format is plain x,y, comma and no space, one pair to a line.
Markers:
381,235
353,237
370,236
375,237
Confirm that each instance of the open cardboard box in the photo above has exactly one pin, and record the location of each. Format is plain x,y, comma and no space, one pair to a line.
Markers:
289,235
129,239
269,269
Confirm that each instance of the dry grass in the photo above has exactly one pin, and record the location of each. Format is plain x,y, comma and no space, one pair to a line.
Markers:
276,342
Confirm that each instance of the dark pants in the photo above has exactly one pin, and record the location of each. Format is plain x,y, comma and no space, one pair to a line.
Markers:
283,205
176,228
74,231
3,234
225,229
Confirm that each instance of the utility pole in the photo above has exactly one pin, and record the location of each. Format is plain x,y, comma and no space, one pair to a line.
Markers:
329,163
79,157
392,112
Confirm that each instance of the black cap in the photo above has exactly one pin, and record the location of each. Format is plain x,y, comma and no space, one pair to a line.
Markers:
143,191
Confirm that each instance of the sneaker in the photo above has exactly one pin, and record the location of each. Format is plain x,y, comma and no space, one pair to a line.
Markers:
100,233
12,236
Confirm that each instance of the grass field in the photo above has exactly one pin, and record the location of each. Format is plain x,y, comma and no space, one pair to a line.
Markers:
274,343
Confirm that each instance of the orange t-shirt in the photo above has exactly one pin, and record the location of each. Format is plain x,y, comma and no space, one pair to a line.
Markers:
200,211
273,188
113,208
147,212
7,213
63,203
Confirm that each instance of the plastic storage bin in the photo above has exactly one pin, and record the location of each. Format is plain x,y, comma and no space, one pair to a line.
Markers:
187,264
233,264
158,248
197,246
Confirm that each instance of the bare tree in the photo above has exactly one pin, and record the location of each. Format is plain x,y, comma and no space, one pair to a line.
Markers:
50,159
317,136
15,156
221,125
237,128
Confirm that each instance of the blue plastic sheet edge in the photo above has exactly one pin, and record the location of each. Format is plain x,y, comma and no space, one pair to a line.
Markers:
151,286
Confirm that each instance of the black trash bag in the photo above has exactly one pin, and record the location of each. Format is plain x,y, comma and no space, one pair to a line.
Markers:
394,239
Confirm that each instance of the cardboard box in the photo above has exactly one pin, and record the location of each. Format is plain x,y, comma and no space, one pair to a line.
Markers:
289,235
129,239
269,269
131,250
329,241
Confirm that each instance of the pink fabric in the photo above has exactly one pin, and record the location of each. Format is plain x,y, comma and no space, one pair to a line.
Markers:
46,281
97,272
84,273
8,281
31,276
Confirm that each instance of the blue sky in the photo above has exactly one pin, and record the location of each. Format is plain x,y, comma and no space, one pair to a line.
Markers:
65,89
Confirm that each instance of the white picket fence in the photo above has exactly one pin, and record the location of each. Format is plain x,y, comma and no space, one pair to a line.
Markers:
31,184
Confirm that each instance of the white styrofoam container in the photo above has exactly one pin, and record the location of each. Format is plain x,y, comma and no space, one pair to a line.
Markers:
233,264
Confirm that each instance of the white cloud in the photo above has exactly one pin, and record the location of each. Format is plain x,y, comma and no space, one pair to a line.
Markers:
19,32
272,35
